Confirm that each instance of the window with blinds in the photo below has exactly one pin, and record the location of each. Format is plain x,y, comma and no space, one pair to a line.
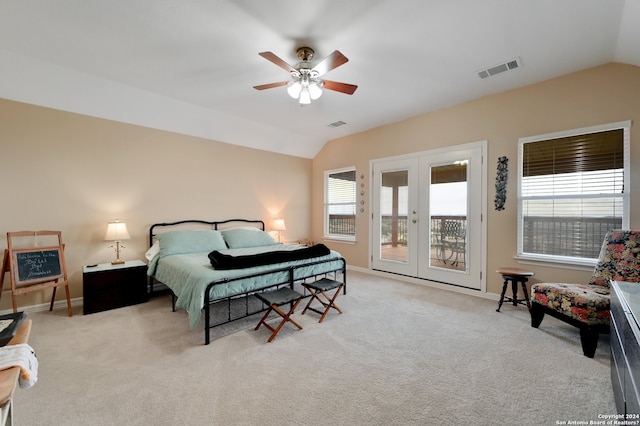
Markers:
340,204
571,192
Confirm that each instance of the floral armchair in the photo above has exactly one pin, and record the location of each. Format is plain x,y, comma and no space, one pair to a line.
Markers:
586,306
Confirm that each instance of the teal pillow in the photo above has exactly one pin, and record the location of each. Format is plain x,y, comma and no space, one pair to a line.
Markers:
184,242
241,238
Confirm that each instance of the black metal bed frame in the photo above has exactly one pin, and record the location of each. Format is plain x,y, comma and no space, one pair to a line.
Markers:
290,281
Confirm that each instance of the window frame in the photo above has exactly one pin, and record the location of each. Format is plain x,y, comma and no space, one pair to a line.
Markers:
326,205
567,261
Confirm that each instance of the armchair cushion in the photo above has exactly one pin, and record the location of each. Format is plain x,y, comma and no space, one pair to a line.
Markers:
585,303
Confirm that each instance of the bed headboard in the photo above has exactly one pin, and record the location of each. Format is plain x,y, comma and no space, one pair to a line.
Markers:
201,224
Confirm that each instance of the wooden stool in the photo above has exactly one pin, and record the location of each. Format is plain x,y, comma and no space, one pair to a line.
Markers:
321,287
275,299
515,275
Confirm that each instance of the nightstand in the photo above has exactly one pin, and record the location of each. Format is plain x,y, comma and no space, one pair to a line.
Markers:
106,286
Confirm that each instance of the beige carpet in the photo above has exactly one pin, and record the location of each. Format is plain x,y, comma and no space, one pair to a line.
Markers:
401,354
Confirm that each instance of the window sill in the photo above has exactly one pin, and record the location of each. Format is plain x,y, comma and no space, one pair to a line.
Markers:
339,240
579,265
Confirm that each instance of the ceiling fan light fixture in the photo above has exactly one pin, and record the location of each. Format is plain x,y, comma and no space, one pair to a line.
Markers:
294,89
305,96
306,83
315,91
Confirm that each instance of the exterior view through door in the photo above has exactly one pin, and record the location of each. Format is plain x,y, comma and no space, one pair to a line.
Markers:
427,215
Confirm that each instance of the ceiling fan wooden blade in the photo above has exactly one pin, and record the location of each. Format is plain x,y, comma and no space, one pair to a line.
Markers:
271,85
270,56
339,87
331,62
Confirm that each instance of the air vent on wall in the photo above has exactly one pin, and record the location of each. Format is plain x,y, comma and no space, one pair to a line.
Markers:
337,124
500,68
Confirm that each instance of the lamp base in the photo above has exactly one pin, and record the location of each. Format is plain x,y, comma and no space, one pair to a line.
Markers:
117,262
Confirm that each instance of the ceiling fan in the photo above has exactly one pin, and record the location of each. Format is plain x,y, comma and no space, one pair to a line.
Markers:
306,84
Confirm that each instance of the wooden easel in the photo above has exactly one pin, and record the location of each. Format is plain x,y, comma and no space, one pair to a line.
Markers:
35,268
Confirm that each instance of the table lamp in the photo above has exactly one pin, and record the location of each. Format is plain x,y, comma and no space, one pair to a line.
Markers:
278,225
116,232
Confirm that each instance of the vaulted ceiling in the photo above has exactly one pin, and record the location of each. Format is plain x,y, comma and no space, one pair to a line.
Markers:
190,66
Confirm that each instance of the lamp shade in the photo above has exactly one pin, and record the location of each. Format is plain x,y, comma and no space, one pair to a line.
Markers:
294,89
278,225
117,231
305,96
315,91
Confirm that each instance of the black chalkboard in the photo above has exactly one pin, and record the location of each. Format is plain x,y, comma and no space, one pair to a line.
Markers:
37,265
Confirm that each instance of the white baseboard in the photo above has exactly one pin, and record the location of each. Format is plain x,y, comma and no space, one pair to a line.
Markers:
419,281
76,305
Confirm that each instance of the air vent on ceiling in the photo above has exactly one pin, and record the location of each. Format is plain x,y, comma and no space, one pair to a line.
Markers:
500,68
337,124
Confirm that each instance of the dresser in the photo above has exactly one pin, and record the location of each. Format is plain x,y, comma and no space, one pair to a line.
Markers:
625,347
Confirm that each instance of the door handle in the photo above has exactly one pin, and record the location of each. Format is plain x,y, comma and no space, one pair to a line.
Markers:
414,220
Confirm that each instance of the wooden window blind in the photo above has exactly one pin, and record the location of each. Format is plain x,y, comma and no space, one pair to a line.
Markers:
571,193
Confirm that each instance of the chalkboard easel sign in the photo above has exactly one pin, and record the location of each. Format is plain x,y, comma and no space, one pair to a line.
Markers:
37,264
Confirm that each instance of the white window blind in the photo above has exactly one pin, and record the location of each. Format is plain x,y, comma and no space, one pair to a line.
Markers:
340,204
571,193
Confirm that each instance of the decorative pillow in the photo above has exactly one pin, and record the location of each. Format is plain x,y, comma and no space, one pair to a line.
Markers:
241,238
183,242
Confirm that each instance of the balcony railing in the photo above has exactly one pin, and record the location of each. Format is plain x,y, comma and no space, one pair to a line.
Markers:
568,236
437,228
346,225
342,224
572,236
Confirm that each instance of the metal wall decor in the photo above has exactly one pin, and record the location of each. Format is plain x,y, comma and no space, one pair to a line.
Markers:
362,193
501,182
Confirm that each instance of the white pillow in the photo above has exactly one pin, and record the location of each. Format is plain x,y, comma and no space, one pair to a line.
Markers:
153,250
195,241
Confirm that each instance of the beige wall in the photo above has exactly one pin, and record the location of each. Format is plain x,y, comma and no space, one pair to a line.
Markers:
604,94
74,173
68,172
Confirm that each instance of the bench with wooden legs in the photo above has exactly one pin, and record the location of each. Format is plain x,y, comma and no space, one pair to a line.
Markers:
275,299
320,288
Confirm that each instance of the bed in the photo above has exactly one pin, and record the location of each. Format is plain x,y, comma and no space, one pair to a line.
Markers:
182,254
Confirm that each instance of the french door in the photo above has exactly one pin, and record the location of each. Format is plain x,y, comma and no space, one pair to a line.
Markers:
427,215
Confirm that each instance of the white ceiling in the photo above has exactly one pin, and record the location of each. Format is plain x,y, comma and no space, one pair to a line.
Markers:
189,66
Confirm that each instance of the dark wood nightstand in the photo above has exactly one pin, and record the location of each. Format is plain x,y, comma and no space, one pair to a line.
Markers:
106,286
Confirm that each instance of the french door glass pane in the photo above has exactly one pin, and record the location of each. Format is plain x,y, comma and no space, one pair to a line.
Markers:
448,216
394,205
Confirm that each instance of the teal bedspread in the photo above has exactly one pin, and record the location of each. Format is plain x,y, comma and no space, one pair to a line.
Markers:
188,275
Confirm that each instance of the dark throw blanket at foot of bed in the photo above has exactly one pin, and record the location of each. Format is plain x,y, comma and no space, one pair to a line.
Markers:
225,261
